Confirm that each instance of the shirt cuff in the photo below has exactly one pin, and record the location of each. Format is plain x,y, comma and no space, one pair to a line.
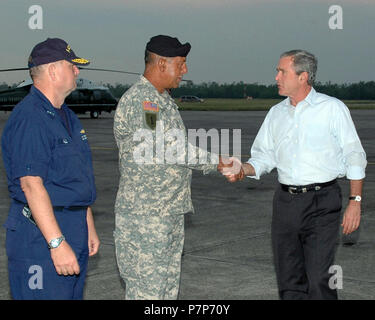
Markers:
256,169
31,169
355,173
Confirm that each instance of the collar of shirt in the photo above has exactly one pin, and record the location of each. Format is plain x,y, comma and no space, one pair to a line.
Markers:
164,97
47,105
52,112
310,99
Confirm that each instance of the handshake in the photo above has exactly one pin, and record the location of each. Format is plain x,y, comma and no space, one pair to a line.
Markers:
231,168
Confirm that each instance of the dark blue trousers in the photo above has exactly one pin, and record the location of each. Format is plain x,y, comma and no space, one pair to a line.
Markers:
32,275
305,229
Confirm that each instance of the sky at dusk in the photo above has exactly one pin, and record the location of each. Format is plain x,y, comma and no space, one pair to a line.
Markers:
232,41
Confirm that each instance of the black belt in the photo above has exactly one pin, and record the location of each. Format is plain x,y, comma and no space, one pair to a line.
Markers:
309,187
72,208
27,212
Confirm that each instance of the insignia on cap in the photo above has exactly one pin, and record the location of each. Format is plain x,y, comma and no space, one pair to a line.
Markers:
80,60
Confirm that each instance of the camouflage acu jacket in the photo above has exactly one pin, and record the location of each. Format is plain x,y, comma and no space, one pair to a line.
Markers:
155,171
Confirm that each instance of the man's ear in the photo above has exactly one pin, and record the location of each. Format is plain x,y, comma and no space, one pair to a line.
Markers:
304,76
51,69
162,64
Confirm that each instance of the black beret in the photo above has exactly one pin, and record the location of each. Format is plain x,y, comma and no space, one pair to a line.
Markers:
167,46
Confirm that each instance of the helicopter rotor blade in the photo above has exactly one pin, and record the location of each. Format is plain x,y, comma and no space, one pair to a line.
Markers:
81,68
14,69
119,71
109,70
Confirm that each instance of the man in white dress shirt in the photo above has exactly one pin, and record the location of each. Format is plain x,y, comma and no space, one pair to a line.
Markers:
311,139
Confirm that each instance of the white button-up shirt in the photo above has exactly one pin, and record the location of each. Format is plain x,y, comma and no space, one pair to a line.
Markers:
313,142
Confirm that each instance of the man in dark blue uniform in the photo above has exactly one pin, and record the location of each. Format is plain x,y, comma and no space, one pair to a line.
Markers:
50,226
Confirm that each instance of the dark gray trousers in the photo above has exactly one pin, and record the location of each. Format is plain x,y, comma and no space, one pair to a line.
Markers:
305,231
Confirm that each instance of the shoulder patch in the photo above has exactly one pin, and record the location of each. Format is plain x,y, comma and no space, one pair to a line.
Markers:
150,106
151,118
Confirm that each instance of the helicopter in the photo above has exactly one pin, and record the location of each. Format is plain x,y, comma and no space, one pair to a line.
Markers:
87,97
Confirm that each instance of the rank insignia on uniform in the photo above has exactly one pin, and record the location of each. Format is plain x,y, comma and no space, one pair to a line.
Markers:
151,120
50,113
150,106
83,134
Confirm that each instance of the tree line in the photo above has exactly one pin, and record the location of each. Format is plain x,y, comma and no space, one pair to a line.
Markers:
239,90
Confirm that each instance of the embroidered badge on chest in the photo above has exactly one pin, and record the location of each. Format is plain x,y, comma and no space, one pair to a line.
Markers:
83,135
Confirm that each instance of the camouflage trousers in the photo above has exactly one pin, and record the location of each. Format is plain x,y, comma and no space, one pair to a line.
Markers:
148,253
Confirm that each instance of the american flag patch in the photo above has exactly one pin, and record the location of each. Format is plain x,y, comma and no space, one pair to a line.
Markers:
150,106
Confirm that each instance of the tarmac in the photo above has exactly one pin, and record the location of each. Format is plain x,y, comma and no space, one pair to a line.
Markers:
227,252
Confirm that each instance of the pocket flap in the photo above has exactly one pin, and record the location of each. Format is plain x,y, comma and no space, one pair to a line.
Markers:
12,223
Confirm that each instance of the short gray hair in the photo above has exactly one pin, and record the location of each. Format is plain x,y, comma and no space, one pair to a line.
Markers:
303,61
35,72
151,57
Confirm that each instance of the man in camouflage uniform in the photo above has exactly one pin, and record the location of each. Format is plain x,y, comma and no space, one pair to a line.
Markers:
154,194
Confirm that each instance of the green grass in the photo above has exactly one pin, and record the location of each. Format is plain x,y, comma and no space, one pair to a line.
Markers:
255,104
360,104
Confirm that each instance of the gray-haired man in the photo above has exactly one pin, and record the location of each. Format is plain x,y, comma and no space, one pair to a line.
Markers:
311,139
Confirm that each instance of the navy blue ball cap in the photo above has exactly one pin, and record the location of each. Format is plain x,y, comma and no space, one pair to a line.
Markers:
167,46
51,50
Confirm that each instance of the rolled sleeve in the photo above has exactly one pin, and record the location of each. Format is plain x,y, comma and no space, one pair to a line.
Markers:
256,169
262,151
355,173
30,150
354,156
30,169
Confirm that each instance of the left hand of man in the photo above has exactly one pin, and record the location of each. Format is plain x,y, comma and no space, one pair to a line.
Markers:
93,243
93,239
352,217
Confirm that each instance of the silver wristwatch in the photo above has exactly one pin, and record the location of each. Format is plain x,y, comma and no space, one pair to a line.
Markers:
355,198
54,243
